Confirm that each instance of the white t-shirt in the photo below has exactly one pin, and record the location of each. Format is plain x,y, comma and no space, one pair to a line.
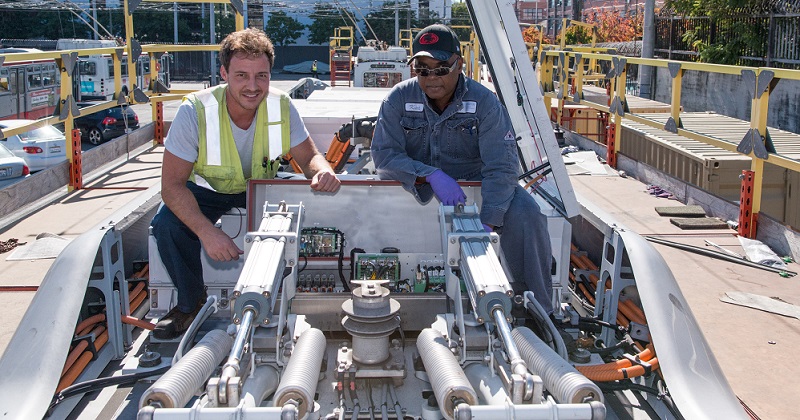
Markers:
182,139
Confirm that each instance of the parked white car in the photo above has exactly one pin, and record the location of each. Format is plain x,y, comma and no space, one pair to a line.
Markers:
12,167
40,148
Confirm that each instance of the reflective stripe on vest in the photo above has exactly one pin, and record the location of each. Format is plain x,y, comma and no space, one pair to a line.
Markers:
218,167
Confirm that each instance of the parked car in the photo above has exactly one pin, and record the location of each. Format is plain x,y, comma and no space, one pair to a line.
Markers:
11,166
40,148
107,124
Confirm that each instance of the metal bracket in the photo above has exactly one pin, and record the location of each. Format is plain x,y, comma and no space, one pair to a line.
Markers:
578,62
122,99
139,96
68,62
66,107
765,82
750,78
753,142
671,126
674,69
238,6
136,50
132,5
158,87
617,107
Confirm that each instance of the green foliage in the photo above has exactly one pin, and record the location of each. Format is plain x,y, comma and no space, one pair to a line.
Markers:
283,29
460,15
326,18
577,35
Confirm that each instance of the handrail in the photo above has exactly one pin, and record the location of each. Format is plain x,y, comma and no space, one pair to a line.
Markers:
555,77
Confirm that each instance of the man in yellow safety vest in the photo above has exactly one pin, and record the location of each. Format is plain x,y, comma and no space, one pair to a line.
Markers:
221,137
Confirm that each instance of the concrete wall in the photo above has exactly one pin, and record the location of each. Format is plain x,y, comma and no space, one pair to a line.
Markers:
729,95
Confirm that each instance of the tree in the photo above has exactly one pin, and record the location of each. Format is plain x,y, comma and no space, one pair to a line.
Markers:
726,36
283,29
326,18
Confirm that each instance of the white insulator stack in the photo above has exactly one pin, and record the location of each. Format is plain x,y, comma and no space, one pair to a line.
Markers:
565,383
449,383
300,377
179,384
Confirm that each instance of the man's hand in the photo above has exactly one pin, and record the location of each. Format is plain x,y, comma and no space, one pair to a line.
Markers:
446,188
219,246
325,182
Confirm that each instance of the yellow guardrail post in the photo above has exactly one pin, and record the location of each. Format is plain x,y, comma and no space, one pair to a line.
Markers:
756,144
563,84
617,107
674,121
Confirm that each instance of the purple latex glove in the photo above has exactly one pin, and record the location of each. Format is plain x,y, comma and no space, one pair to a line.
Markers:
446,188
488,228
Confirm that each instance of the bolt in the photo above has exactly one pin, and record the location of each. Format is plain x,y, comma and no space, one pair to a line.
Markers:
236,321
291,240
452,261
494,240
452,240
248,240
291,263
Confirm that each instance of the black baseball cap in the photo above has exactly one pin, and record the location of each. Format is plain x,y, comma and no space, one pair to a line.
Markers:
437,41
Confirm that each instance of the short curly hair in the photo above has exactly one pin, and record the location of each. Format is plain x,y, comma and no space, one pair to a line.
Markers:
251,42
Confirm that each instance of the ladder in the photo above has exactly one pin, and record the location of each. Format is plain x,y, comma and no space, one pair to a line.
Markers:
341,53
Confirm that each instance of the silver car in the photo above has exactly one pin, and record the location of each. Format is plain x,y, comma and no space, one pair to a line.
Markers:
12,167
40,148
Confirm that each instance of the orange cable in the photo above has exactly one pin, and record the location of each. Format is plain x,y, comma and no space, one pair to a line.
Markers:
136,322
75,370
94,319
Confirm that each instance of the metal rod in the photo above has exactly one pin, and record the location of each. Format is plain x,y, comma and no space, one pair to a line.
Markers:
719,255
518,365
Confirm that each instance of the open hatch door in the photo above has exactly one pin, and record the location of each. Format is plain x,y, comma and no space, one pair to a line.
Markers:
518,88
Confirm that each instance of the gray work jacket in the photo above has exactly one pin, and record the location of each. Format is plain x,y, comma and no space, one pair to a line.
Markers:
472,140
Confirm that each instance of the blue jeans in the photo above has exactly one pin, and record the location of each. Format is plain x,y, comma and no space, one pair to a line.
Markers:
179,247
526,247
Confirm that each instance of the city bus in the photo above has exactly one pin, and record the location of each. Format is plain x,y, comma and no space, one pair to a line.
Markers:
96,75
30,89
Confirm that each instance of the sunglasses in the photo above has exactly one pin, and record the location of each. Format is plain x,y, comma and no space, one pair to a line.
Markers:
439,71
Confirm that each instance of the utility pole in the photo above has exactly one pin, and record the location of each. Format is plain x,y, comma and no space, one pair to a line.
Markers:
396,22
175,22
94,18
648,49
212,40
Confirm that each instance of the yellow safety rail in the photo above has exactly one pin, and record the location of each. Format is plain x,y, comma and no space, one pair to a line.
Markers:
556,74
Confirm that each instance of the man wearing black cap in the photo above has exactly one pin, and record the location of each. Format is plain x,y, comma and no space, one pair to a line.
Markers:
440,127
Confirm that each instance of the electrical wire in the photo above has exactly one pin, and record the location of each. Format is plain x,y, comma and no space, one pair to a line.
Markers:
100,383
628,385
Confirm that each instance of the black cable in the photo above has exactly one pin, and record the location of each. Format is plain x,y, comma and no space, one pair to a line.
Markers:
533,171
603,323
100,383
352,262
305,260
628,385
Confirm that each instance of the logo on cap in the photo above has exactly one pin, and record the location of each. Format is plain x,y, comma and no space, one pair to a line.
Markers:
429,39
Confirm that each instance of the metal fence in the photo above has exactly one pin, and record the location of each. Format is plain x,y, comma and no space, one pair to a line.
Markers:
760,40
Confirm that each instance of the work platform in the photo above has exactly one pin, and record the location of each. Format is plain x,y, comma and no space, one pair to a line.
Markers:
738,335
